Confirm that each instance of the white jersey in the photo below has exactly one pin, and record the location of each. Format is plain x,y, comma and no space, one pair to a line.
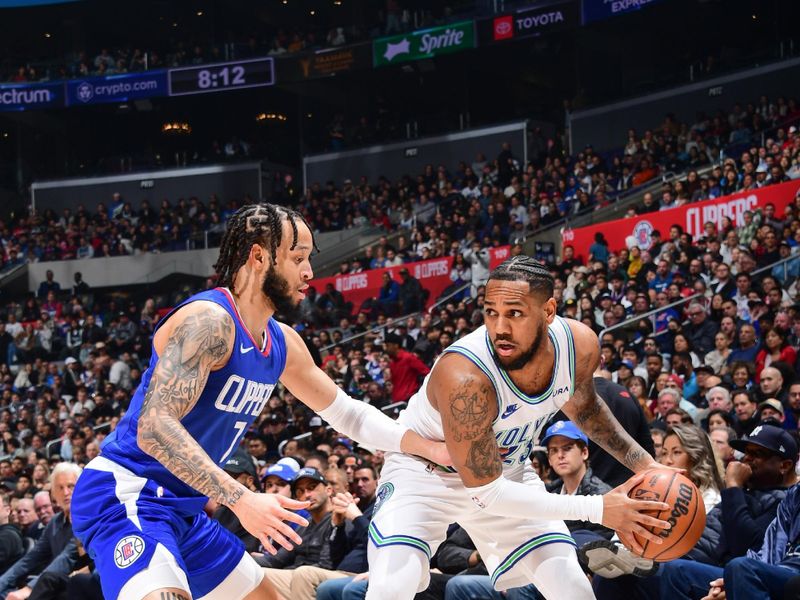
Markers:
520,418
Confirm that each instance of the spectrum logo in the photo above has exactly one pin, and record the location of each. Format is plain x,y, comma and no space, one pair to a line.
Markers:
503,28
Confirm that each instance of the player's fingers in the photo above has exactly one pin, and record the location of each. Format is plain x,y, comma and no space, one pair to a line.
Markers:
643,505
290,503
630,542
276,526
267,544
649,521
647,534
286,515
289,533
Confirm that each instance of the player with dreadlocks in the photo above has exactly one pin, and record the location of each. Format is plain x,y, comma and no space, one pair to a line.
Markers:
139,507
488,397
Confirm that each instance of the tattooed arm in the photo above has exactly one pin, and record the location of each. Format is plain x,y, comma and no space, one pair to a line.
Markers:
467,404
589,412
196,340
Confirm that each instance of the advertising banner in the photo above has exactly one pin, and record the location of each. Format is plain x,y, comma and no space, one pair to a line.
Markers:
597,10
433,275
691,217
425,43
528,22
116,88
31,96
324,63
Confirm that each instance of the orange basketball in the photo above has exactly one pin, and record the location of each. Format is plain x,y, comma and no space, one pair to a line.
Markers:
687,513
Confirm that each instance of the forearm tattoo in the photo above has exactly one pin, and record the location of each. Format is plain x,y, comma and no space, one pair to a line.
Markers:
193,349
470,420
595,418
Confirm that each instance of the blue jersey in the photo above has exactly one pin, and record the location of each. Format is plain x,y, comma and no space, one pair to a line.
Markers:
232,399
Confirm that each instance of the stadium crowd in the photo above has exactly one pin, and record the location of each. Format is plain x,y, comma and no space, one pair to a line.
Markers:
496,201
710,382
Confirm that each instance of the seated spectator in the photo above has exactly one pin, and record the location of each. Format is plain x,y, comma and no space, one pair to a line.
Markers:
568,454
308,485
688,447
55,552
11,547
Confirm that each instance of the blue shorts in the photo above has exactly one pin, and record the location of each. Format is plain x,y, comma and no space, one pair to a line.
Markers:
140,543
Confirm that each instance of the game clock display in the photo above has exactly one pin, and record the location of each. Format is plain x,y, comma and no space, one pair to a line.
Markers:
221,77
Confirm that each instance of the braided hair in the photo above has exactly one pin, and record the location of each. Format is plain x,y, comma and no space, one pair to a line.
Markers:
525,268
254,224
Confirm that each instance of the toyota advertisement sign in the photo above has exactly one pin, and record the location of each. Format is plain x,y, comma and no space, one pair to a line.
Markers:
529,22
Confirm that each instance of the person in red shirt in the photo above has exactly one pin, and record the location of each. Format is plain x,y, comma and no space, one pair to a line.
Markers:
407,369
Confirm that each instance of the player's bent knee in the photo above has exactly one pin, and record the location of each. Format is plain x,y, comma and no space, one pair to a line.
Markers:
397,573
168,594
559,573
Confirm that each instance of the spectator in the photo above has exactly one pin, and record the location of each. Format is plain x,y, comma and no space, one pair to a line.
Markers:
308,484
30,526
55,552
241,468
11,547
689,447
411,294
406,368
701,330
48,285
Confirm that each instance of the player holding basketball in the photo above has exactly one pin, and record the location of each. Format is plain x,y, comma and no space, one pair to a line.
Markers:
138,508
488,397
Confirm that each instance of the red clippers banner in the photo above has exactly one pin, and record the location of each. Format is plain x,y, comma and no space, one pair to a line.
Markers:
433,275
691,217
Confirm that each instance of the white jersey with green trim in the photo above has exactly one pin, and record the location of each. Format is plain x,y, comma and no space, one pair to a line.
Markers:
520,418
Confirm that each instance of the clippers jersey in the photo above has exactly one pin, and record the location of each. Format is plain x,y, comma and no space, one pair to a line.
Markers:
520,418
231,400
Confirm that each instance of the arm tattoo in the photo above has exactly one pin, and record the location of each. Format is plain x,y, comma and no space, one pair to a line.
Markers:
593,416
469,409
484,457
470,420
179,377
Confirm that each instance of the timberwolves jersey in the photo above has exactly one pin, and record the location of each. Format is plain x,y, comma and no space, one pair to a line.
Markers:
231,400
520,417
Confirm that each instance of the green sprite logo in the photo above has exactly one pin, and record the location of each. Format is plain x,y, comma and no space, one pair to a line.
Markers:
424,43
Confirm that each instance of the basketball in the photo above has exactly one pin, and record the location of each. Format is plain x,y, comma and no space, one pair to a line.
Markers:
686,514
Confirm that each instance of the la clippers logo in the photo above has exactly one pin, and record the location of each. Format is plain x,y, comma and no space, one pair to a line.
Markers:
503,28
642,233
128,551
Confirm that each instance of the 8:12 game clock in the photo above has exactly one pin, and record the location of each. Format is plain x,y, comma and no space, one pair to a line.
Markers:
221,77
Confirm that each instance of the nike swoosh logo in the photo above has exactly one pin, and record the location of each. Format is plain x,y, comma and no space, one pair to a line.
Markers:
244,350
510,410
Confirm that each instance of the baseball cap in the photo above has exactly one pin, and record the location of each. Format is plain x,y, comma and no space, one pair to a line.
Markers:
240,463
307,473
705,369
627,363
392,338
566,429
315,422
69,360
281,470
770,437
344,442
677,380
772,403
570,302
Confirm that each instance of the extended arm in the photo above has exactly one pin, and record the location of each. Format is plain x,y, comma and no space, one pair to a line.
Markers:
198,341
589,412
358,420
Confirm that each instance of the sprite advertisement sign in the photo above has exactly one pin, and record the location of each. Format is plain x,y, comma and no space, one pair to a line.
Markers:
425,43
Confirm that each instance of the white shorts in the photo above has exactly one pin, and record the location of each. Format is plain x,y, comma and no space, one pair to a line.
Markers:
415,504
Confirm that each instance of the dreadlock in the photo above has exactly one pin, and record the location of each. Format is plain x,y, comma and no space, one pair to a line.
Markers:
525,268
254,224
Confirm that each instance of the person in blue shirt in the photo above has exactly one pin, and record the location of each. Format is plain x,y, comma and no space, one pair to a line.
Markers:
217,357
